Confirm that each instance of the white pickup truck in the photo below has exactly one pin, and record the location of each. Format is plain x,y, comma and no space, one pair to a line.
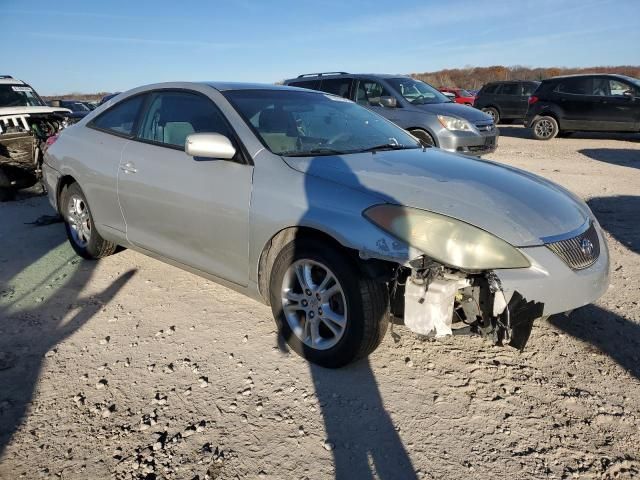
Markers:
26,122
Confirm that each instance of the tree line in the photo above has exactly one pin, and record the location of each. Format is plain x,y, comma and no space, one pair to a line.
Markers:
475,77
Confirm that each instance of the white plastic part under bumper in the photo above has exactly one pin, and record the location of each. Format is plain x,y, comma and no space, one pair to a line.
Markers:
551,281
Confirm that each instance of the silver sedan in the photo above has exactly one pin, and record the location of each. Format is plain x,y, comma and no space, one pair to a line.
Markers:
328,212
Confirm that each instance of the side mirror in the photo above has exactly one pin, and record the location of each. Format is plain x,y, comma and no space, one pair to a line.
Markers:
209,145
388,101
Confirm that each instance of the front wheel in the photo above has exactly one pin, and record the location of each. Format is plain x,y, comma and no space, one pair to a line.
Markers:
493,113
325,308
425,137
544,128
79,224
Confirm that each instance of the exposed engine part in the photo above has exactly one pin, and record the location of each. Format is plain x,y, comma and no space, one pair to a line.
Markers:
429,305
433,298
23,140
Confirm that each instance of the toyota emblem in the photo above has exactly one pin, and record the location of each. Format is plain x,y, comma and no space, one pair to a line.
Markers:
586,247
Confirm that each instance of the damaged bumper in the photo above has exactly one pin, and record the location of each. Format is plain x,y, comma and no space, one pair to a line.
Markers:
503,303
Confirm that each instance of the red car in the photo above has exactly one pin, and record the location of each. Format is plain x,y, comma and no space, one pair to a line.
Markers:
461,95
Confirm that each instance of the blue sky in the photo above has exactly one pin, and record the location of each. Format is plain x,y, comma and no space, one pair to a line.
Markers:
84,46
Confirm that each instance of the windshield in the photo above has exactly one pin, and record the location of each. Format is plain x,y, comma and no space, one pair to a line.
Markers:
417,92
464,93
292,123
19,96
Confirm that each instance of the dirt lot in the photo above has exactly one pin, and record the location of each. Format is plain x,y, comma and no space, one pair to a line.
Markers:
129,368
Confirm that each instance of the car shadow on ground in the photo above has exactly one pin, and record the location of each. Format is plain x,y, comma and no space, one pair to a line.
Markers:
611,334
618,215
360,432
625,157
514,131
519,131
40,306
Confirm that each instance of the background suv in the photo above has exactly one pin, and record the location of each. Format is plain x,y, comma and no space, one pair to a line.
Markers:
413,105
505,100
598,102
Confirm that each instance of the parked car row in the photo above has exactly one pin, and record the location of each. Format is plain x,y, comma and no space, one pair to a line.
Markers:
414,105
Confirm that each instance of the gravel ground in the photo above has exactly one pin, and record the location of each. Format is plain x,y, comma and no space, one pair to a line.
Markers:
130,368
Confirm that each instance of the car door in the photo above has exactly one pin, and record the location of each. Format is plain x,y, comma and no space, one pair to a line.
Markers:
194,211
616,108
508,99
368,93
576,99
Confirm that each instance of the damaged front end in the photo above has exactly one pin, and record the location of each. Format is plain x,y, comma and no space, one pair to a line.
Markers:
437,300
23,139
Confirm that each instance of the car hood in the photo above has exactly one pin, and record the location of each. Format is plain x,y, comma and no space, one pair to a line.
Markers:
32,110
463,111
517,206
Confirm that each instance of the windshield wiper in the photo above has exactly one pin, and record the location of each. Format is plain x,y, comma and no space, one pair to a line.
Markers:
315,151
388,146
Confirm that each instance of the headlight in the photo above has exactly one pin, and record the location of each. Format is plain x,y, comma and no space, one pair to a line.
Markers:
445,239
454,123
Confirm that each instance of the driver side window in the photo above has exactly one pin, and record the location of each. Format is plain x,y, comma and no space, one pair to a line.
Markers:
368,93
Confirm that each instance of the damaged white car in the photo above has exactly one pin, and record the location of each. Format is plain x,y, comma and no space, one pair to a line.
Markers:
26,123
328,212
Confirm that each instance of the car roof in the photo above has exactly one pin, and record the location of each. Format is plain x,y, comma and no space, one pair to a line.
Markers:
316,76
226,86
586,75
8,80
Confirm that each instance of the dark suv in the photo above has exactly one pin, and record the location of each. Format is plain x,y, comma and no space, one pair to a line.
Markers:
596,102
413,105
505,100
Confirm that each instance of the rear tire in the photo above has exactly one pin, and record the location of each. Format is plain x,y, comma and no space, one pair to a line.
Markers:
78,222
544,128
325,308
425,137
493,113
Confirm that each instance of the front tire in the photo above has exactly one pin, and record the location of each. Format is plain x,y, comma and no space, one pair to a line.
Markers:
493,113
425,137
325,308
79,224
544,128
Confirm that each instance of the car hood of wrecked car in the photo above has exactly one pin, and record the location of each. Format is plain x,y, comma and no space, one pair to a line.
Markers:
517,206
32,110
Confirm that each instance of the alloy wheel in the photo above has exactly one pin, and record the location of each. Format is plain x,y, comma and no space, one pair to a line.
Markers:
544,128
314,304
79,220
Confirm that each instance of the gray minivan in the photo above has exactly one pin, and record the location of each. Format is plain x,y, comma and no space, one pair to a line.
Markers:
413,105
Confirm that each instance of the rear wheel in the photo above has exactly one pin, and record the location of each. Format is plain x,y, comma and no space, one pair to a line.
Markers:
425,137
326,310
493,113
544,128
82,235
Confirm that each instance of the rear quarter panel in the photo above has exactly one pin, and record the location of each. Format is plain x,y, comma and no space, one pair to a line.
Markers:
92,158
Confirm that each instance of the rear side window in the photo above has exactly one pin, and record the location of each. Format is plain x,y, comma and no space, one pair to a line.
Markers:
490,88
510,89
337,86
576,86
172,116
310,84
120,118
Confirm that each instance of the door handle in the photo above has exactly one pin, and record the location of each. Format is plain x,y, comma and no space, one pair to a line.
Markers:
128,167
